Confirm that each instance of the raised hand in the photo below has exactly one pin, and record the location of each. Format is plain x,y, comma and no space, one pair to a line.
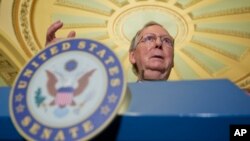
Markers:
51,33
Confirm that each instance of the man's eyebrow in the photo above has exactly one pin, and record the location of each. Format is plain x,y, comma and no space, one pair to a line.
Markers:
169,36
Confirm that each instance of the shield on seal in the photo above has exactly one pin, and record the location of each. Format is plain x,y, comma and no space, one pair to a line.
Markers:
64,96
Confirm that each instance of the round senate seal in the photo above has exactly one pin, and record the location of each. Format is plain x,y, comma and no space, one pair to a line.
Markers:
69,91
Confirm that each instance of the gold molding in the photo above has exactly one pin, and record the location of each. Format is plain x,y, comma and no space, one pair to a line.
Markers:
191,3
244,82
229,55
227,12
84,25
11,59
119,4
224,32
68,3
22,28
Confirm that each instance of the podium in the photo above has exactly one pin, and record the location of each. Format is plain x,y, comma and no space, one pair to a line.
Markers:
174,110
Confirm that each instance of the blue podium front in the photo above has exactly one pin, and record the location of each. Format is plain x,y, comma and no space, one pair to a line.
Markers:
184,111
175,110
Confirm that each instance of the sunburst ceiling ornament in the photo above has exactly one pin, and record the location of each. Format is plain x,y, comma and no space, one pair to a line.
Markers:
212,37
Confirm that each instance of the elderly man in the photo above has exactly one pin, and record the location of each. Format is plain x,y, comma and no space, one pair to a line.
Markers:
151,51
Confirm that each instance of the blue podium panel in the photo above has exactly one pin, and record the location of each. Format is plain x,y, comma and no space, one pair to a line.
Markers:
188,98
174,110
7,129
184,110
178,128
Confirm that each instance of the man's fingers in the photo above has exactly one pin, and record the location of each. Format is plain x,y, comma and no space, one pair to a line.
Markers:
71,34
51,32
53,28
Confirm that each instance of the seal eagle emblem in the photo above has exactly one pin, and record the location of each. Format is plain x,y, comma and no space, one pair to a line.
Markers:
64,95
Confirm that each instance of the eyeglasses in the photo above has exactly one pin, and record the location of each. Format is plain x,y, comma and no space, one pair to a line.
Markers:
151,38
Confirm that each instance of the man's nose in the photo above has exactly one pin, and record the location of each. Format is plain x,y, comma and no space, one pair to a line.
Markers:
158,42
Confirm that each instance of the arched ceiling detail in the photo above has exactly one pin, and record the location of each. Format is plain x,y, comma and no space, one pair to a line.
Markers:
212,37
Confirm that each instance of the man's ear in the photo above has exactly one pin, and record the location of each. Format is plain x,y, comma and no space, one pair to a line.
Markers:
132,57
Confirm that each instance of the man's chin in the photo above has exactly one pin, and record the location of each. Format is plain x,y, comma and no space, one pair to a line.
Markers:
156,75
